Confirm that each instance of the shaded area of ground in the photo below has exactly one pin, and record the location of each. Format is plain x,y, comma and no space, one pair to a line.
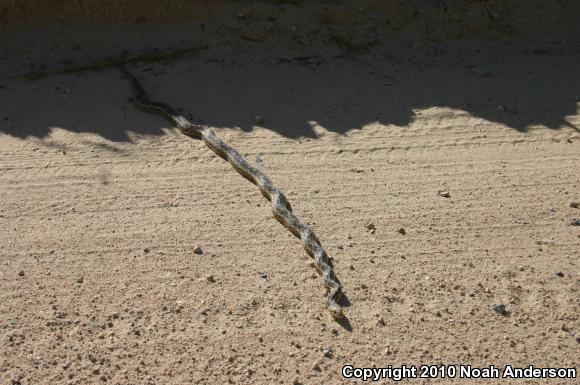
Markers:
516,87
340,65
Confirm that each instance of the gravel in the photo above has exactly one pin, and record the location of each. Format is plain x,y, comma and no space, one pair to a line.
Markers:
327,351
500,308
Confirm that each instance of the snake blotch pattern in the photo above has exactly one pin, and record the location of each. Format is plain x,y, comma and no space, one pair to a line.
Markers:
280,205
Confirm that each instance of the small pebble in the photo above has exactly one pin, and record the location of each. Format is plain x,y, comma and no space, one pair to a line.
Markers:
15,379
263,275
210,278
560,274
575,205
576,222
327,351
402,231
370,226
146,251
197,250
499,308
444,193
80,280
21,273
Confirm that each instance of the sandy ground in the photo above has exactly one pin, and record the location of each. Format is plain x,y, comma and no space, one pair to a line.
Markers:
102,206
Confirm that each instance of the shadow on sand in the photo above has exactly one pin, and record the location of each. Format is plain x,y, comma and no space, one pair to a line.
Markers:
516,89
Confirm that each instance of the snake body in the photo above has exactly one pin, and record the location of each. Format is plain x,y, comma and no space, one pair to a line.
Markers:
280,206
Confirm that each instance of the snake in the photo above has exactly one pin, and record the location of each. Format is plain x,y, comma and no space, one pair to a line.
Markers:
281,208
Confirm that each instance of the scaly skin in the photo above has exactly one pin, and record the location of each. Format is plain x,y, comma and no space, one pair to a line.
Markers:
280,205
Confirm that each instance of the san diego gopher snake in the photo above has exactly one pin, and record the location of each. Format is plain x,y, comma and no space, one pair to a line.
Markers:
280,206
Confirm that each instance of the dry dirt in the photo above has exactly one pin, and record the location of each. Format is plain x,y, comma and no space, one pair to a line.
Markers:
103,205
